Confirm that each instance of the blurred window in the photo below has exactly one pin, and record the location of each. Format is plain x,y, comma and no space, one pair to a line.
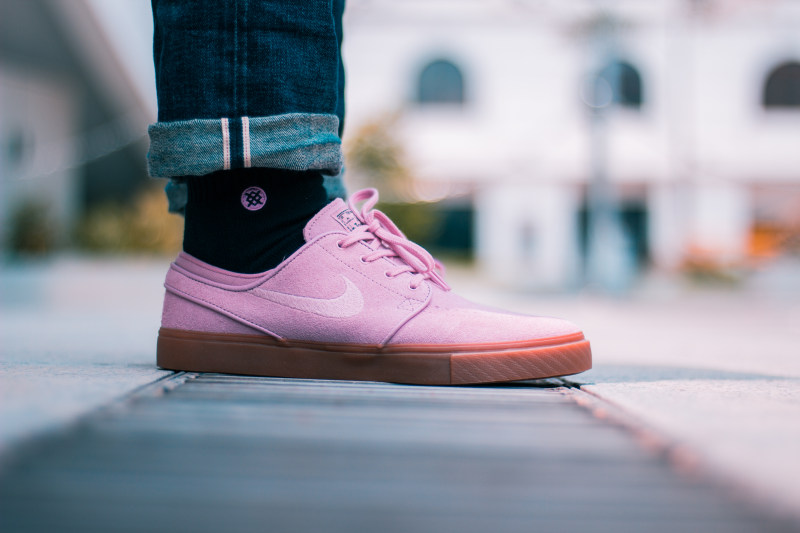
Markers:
782,88
441,82
625,83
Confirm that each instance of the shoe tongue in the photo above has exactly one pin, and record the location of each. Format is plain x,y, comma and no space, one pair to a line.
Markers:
335,216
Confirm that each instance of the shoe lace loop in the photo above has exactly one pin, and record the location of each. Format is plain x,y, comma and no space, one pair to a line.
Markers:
376,226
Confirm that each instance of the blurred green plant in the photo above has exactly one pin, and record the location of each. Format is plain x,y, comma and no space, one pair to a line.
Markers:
145,226
430,224
377,157
32,231
420,222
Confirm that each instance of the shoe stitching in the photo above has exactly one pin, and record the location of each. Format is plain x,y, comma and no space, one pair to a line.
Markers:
190,275
191,259
390,289
195,277
393,331
258,281
299,253
197,299
313,223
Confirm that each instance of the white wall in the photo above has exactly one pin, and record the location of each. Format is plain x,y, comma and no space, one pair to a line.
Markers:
720,220
527,234
697,145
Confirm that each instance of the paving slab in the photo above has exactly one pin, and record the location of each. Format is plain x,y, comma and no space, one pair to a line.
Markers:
743,427
75,334
211,453
713,371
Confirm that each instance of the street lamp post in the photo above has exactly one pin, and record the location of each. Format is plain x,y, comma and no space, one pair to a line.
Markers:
610,266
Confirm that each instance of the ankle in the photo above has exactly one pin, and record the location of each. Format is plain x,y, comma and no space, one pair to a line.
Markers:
249,220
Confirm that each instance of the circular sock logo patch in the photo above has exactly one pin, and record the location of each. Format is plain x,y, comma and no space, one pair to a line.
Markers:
254,198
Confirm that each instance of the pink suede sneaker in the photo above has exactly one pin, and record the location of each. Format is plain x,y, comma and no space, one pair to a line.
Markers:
358,301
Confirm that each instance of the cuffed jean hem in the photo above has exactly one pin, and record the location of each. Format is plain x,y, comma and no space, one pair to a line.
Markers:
294,141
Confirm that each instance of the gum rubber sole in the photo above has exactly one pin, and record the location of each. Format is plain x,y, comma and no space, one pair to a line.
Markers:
259,355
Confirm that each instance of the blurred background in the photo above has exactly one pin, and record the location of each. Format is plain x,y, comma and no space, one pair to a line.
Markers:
586,141
633,166
552,145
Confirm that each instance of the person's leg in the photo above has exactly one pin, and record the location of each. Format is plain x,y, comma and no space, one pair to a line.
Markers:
249,99
335,184
250,109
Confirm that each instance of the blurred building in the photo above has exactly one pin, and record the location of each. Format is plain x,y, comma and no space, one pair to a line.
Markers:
74,106
512,110
688,109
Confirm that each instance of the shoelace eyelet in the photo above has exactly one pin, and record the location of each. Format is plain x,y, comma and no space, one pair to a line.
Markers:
411,287
363,260
339,245
375,227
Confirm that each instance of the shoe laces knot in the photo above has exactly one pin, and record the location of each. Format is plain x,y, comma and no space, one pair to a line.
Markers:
391,242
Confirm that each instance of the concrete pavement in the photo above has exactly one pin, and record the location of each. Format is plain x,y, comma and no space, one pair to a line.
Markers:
75,333
716,373
714,370
209,453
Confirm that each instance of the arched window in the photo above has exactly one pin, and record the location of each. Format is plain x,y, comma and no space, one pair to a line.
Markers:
625,83
440,82
782,88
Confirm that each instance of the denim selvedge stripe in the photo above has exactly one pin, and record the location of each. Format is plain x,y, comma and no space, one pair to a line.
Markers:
294,141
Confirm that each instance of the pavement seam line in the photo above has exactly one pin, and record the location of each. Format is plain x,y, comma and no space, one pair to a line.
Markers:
158,386
681,458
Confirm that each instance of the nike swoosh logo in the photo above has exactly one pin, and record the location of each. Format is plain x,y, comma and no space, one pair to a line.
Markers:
348,304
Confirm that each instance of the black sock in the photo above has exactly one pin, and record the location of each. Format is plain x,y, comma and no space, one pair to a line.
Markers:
249,220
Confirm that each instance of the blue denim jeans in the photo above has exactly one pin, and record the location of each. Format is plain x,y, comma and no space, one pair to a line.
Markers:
246,83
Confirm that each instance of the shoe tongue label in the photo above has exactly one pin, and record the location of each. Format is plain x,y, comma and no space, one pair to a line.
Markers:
347,220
